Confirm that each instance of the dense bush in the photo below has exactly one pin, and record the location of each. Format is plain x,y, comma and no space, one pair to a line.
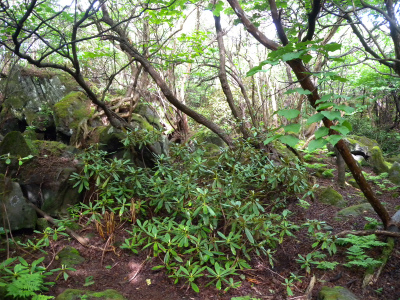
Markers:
209,214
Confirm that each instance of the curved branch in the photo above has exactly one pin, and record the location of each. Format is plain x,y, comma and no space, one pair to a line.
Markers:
312,17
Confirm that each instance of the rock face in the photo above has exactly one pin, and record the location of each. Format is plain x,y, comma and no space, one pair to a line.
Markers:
55,118
16,210
336,293
30,94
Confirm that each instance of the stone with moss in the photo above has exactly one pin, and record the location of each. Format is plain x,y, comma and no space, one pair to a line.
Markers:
149,115
353,183
70,257
336,293
355,210
70,114
15,144
377,161
328,195
74,294
394,173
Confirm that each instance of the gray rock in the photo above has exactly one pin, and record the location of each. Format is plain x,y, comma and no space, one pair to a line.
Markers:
17,212
394,173
336,293
355,210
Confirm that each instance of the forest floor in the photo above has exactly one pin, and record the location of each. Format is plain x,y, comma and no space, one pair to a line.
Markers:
132,275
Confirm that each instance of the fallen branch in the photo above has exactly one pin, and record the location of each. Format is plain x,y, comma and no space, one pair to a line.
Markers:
83,241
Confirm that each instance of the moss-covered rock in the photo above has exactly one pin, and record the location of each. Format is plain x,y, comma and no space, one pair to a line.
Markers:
394,173
70,113
353,183
15,144
377,161
328,195
70,257
336,293
75,294
355,210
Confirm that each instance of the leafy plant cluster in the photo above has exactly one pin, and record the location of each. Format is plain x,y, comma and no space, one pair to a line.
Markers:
356,254
27,281
211,213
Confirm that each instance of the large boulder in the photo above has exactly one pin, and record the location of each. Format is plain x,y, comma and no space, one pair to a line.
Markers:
45,180
71,114
16,211
354,210
361,146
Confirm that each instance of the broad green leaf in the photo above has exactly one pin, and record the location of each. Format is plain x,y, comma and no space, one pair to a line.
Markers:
306,58
321,132
333,139
272,138
345,108
290,140
325,105
298,90
332,47
295,128
288,113
254,70
347,124
315,118
292,55
331,115
194,287
316,144
324,98
341,129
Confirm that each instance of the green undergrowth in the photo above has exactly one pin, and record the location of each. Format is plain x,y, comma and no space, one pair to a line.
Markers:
204,217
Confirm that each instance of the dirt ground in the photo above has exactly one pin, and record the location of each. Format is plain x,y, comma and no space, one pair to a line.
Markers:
132,275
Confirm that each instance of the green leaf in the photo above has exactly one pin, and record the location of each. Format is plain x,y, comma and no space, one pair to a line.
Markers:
289,140
347,124
288,113
295,128
298,90
194,287
316,144
321,132
324,98
292,55
272,138
315,118
332,115
249,235
325,105
333,139
218,8
332,47
345,108
341,129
